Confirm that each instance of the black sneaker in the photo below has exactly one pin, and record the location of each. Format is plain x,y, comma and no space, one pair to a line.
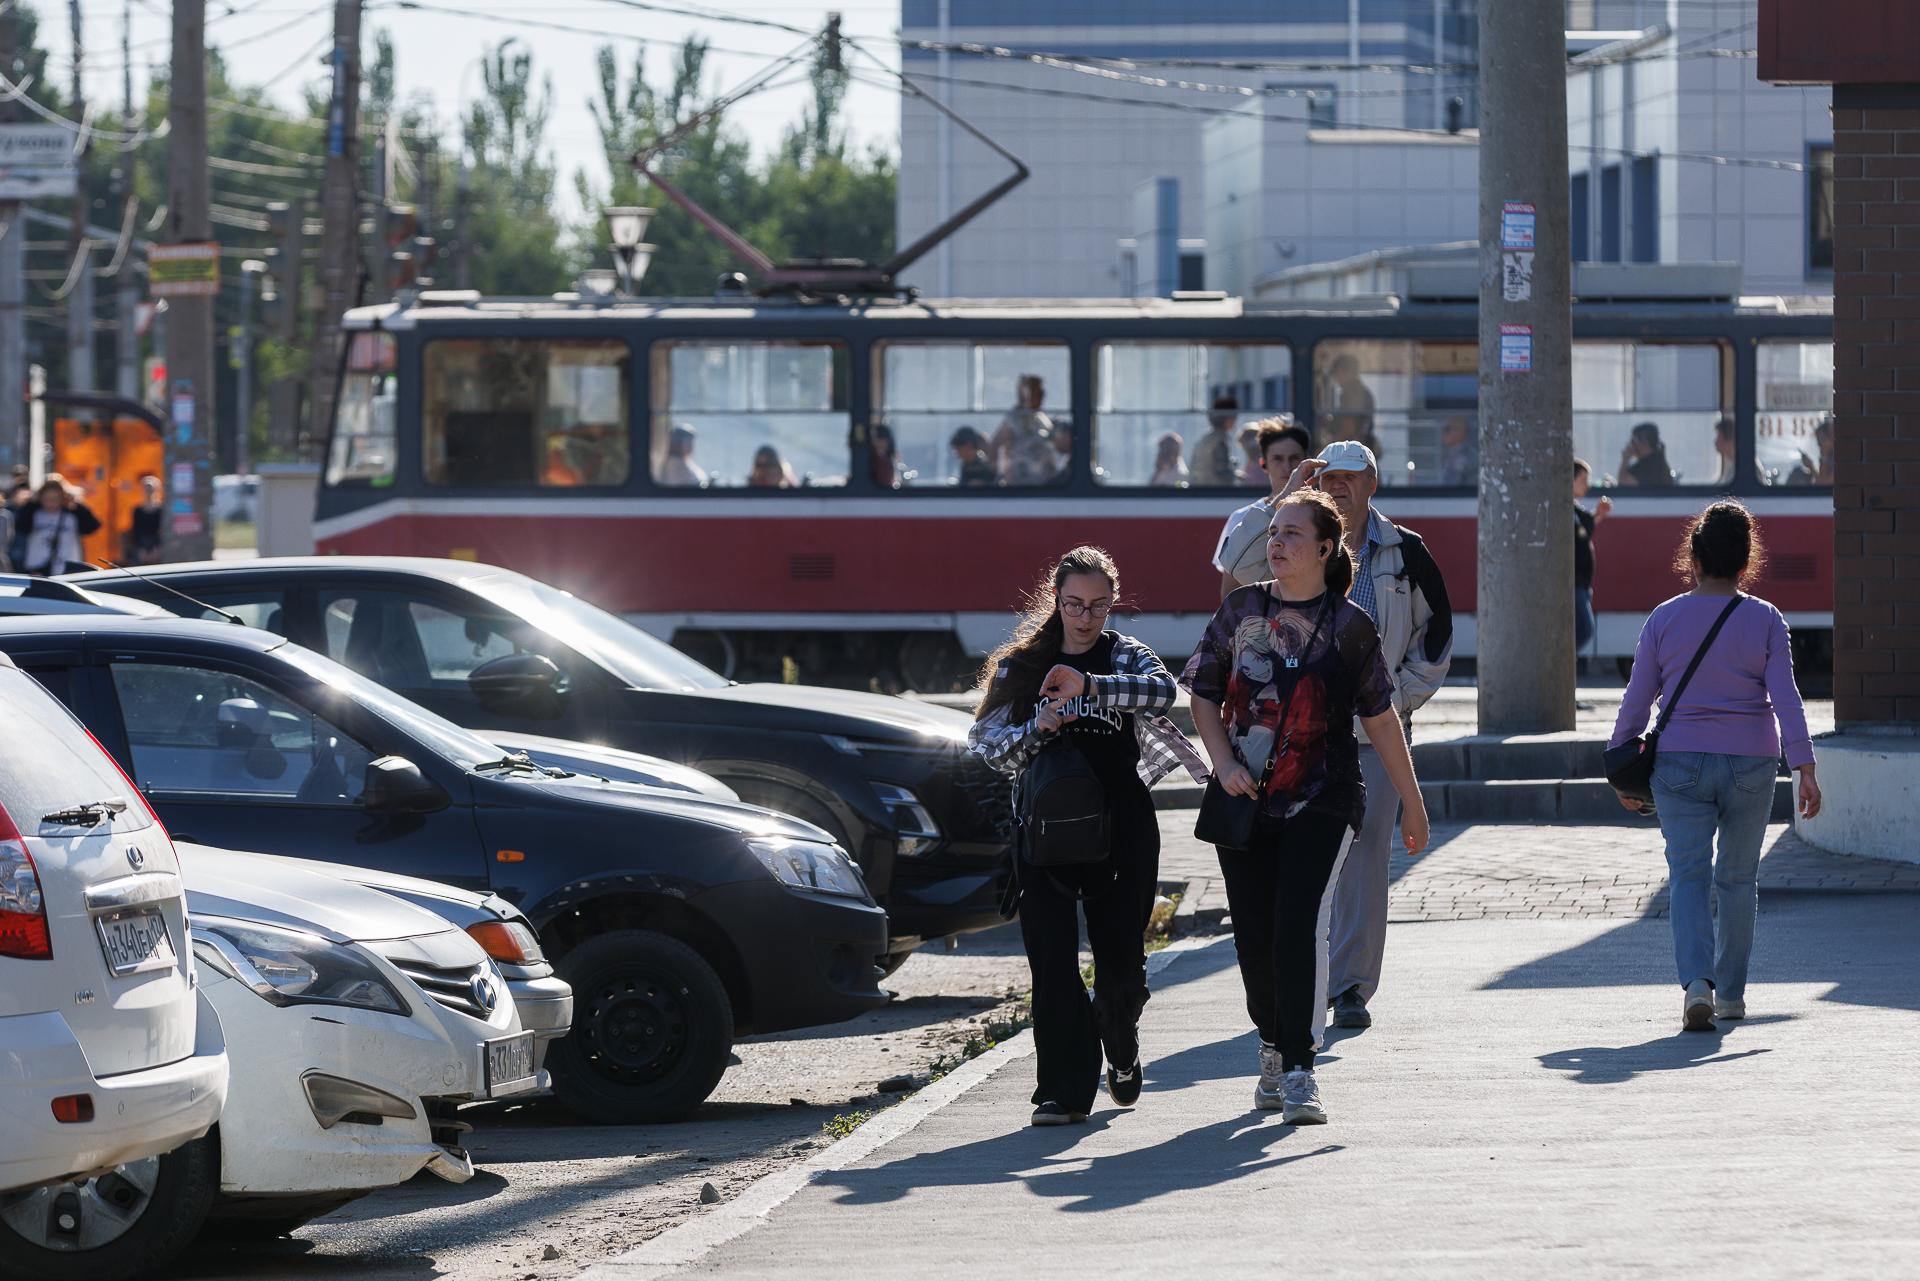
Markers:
1350,1010
1124,1086
1054,1114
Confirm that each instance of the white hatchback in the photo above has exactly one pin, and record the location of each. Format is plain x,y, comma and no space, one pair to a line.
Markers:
108,1053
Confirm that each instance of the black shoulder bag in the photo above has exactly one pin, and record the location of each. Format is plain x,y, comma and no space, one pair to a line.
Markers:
1630,765
1227,820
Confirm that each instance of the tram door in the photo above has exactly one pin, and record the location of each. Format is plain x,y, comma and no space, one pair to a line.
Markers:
105,459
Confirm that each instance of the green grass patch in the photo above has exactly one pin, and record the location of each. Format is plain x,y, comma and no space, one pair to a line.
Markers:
846,1123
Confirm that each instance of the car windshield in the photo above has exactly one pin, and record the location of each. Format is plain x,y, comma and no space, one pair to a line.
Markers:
460,746
631,654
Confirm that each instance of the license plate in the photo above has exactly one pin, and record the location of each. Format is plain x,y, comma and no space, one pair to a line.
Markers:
135,941
510,1065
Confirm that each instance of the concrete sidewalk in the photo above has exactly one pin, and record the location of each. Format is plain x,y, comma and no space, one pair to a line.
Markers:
1524,1107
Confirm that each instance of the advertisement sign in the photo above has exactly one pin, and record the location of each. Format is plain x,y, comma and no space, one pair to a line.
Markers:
37,161
183,271
1518,221
1516,349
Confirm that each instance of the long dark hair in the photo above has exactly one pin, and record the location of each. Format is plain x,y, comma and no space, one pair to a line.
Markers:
1035,644
1722,542
1327,523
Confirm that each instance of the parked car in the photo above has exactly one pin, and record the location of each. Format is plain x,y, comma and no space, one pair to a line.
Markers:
543,1000
499,652
110,1059
678,921
360,1024
25,595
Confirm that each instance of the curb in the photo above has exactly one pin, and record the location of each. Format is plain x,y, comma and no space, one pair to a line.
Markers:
687,1243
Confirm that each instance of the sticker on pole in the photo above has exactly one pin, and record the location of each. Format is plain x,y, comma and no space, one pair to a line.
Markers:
183,271
1516,349
1516,276
1517,221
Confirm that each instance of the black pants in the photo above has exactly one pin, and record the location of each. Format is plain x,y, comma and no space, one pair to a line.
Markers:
1069,1031
1280,893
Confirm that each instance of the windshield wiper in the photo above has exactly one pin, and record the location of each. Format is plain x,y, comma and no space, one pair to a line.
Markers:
512,760
85,814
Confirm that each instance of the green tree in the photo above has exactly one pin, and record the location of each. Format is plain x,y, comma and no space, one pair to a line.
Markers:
515,243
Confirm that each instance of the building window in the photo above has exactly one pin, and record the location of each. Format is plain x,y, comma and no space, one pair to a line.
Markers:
1577,217
1820,208
1646,211
1610,214
1193,271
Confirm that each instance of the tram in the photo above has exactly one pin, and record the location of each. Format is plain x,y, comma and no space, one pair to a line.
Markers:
769,481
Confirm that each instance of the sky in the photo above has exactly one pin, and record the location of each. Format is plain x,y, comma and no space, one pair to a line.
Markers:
283,41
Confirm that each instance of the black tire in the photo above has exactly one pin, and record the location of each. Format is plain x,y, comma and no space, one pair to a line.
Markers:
652,1029
169,1217
892,961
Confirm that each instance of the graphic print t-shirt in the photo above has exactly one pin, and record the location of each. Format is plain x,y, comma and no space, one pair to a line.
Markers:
1243,664
1104,734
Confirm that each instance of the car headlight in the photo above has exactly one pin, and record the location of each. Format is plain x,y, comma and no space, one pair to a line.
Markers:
291,967
809,865
913,825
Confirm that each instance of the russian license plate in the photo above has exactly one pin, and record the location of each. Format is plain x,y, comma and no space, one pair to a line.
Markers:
135,941
510,1065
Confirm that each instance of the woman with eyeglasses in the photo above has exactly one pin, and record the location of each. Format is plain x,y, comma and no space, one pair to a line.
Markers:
1064,677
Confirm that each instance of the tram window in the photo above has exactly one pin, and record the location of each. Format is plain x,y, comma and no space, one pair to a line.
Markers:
1645,414
363,431
1177,415
522,412
1794,427
1414,404
761,415
973,415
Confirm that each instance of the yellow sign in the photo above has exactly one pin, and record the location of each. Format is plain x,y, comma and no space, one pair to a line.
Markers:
183,271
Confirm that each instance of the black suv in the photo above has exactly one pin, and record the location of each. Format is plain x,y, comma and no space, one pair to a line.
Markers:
680,921
494,650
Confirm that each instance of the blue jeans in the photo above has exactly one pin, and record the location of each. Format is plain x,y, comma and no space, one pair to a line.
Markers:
1699,793
1582,617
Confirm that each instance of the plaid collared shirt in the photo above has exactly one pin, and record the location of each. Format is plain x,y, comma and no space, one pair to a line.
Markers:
1140,684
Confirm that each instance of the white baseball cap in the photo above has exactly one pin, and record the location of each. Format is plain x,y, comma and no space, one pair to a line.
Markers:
1349,455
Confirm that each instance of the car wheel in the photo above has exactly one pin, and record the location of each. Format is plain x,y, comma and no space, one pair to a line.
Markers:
652,1029
119,1225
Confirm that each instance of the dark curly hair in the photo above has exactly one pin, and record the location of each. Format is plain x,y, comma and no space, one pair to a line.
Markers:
1721,542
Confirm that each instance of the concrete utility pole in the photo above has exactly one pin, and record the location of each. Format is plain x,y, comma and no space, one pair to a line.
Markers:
339,274
189,349
1524,618
79,247
13,332
283,396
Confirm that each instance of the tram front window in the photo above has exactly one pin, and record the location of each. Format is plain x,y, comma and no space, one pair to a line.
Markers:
1648,415
1794,427
1414,403
971,415
749,415
501,413
1174,415
363,433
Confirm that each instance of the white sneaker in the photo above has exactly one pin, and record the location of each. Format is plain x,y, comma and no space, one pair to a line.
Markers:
1729,1009
1269,1092
1696,1011
1303,1106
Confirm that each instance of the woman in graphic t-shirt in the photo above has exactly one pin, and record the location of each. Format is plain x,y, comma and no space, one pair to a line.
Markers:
1276,682
1063,676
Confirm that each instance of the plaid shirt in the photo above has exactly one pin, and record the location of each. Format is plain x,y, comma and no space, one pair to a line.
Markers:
1140,684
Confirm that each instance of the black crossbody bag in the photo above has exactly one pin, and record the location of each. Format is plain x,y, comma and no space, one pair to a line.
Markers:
1630,765
1227,820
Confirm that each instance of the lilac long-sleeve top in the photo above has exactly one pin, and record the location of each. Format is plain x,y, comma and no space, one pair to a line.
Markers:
1744,683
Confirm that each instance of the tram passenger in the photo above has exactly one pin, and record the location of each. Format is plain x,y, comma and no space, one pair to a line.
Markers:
771,471
1023,447
1810,472
970,448
1350,407
1213,456
1241,556
679,469
887,471
1252,475
1723,447
1643,462
1169,468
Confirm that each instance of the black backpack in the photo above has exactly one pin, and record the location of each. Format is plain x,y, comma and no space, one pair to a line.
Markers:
1062,809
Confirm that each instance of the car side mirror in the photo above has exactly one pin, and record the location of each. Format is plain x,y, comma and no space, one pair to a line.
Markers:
395,785
518,685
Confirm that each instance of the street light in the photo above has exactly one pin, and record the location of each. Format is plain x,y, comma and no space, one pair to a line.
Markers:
625,225
598,283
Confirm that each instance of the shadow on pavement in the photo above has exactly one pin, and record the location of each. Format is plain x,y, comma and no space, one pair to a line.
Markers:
1612,1065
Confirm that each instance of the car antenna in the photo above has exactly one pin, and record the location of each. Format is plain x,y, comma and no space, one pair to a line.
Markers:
235,619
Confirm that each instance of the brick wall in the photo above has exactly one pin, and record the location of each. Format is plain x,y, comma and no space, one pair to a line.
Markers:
1876,404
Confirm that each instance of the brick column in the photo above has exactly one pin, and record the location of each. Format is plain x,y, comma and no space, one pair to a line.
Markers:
1876,405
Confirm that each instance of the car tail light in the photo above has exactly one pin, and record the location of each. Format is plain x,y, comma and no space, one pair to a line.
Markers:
71,1109
23,911
507,941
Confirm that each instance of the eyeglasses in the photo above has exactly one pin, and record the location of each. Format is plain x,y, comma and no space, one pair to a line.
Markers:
1074,609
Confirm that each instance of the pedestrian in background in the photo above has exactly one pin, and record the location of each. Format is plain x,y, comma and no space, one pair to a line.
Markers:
143,535
1584,524
1241,554
1277,683
18,496
48,532
1063,678
1398,586
1719,751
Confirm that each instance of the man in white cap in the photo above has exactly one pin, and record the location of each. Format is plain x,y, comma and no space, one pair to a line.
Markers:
1398,585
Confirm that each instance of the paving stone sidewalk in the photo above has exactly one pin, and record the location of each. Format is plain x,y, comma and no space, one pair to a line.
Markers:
1511,871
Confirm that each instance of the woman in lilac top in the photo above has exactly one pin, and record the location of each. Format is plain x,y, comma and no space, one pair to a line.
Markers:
1718,753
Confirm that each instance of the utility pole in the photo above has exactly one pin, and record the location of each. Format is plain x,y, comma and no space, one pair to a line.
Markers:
1524,620
79,248
339,275
283,396
13,287
250,270
189,349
